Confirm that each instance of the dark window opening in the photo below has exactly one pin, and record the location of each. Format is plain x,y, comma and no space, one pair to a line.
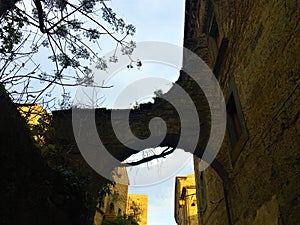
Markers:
119,212
214,38
202,191
214,30
183,193
220,57
234,123
111,208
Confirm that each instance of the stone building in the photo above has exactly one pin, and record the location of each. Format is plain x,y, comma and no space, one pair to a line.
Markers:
137,208
120,203
253,48
31,112
185,200
36,117
115,203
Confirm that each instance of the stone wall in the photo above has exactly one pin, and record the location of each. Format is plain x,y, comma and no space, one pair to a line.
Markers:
262,59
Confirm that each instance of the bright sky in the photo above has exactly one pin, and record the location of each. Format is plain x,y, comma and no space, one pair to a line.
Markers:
161,197
155,20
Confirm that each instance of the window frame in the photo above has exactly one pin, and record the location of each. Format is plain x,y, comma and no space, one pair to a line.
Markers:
236,149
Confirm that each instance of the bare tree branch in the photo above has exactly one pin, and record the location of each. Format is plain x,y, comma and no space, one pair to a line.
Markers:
163,154
39,8
73,45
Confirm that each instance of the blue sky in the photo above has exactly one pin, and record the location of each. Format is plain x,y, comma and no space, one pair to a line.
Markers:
155,20
161,198
161,195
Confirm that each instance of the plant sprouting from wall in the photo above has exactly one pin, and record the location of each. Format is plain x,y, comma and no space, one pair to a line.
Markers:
158,93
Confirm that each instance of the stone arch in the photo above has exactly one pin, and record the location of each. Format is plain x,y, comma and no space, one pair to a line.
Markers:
139,121
64,134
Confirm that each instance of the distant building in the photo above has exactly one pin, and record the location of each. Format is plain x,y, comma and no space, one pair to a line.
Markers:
119,203
35,115
185,200
115,203
32,112
137,208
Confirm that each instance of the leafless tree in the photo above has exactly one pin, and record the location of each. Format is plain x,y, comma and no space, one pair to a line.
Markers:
45,44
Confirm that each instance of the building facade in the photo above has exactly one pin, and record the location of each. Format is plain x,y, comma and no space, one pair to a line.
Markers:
114,204
185,200
253,49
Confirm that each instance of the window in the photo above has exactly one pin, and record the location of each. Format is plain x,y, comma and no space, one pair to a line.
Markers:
234,122
214,38
220,57
236,126
214,29
111,208
202,192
